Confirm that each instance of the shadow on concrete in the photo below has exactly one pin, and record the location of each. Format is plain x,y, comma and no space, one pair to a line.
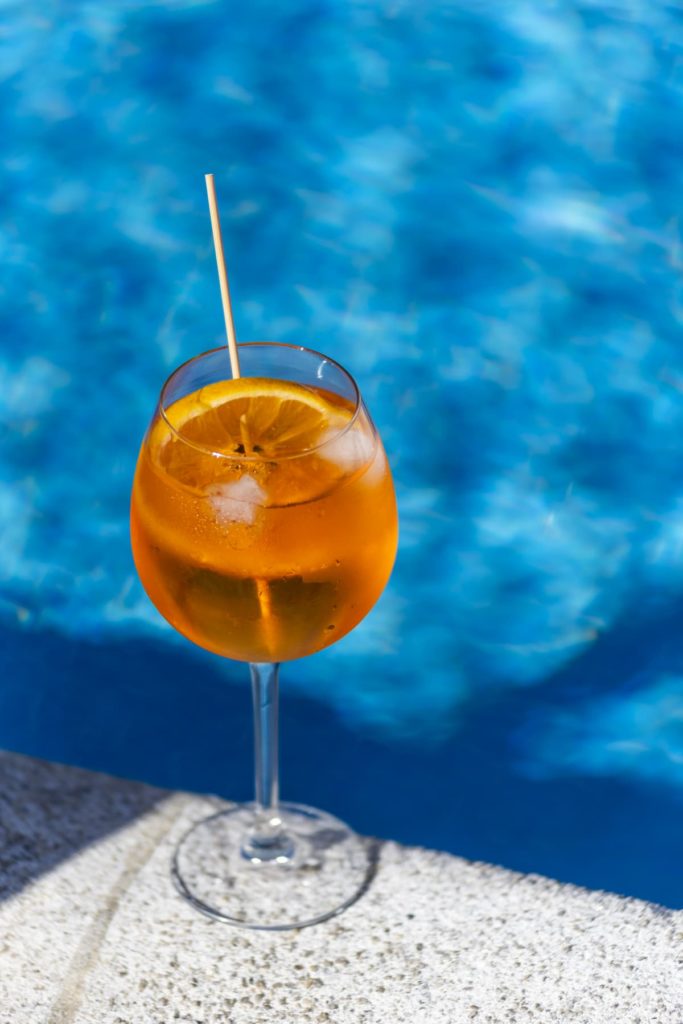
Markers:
49,812
160,713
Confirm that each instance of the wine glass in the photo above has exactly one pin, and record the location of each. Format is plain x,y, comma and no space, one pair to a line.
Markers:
264,528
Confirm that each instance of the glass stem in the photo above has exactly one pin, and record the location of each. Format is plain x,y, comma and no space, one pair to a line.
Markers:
264,688
267,840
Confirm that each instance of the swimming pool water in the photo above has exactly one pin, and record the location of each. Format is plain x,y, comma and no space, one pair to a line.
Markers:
473,207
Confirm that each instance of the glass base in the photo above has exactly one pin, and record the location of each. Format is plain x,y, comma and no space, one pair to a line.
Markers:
325,869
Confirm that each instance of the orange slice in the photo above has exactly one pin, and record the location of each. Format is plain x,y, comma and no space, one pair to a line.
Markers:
258,421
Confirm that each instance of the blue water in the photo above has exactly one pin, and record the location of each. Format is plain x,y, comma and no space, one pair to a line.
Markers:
476,209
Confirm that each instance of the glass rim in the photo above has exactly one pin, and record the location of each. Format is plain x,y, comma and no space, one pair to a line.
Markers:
236,456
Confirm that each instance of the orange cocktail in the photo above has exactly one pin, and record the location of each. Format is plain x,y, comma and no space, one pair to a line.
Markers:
264,528
263,517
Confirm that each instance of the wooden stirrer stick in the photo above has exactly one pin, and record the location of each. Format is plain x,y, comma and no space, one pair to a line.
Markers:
222,275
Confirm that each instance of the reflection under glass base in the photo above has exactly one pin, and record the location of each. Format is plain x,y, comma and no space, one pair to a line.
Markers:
326,868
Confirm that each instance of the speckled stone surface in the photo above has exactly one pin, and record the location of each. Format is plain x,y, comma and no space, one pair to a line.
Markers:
92,932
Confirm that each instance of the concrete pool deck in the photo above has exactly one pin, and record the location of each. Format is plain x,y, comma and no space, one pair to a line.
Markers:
93,932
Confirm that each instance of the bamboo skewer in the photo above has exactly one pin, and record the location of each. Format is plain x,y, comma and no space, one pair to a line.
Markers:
262,589
222,275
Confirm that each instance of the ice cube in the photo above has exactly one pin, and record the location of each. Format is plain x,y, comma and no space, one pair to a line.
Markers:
350,450
237,501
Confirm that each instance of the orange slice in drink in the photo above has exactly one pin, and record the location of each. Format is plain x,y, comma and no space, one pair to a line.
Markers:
257,425
256,416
